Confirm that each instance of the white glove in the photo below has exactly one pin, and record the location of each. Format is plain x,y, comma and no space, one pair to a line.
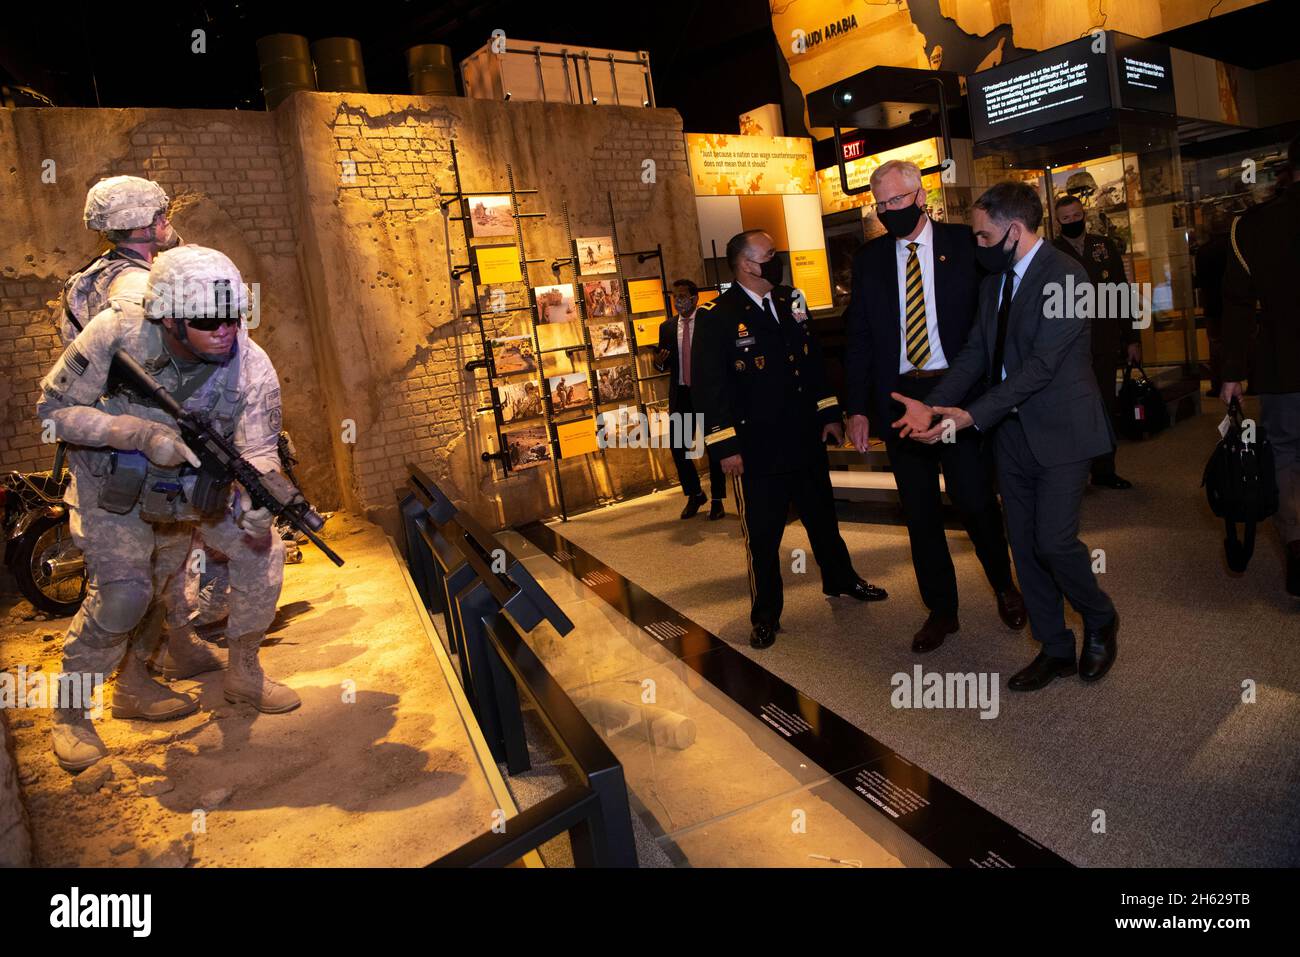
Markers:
255,521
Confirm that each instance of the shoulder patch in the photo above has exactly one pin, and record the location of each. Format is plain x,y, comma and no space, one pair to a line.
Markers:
74,360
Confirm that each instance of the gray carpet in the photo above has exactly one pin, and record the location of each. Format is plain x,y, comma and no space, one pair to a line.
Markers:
1182,772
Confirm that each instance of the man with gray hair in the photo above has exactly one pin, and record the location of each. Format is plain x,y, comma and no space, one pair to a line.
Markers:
915,294
1048,423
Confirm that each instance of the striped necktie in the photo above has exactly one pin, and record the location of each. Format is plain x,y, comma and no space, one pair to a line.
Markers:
918,338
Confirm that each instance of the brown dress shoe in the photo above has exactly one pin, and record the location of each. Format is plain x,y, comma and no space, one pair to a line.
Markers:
1011,608
932,633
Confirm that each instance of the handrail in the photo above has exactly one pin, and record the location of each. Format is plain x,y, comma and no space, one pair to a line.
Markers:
454,560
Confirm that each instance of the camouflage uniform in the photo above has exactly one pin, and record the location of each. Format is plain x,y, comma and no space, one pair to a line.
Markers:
135,509
121,276
244,396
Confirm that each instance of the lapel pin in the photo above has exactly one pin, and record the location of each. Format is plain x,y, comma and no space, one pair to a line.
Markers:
943,258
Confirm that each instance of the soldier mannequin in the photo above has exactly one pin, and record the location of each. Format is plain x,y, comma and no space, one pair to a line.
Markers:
1114,340
131,213
758,378
136,537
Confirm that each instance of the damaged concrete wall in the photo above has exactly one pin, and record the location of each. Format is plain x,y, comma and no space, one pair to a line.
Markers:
332,204
379,254
223,171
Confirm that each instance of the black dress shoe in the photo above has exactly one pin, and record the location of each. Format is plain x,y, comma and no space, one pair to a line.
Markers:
1098,652
932,633
763,636
1111,481
693,505
1011,608
715,510
1293,568
861,590
1041,671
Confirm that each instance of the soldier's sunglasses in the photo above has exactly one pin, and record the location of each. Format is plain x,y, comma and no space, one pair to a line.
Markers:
212,323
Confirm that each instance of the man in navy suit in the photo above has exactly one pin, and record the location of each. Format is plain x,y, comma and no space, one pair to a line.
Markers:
674,357
914,298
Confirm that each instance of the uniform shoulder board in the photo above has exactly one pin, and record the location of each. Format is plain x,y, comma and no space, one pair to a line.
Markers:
707,305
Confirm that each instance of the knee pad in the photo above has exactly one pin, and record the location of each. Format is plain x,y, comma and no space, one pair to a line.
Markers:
120,605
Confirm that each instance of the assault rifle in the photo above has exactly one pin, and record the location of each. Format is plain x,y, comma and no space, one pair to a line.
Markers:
219,458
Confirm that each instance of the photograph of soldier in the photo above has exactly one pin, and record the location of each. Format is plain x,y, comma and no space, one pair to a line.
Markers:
616,383
569,391
602,298
126,454
609,339
491,216
528,447
511,354
595,255
557,317
519,400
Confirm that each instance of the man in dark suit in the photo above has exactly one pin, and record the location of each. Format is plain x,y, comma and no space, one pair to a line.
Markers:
674,357
759,379
1031,345
1264,267
914,298
1115,342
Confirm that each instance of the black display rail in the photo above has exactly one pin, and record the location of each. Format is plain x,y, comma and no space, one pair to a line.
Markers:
489,600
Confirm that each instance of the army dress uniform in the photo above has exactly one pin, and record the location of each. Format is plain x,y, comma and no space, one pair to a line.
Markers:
760,383
136,535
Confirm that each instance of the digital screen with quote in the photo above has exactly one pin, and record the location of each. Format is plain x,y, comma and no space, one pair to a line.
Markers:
1058,84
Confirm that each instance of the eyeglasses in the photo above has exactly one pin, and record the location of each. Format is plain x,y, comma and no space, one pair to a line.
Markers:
897,202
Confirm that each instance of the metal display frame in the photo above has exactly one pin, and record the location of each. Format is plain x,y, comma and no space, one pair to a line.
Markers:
489,601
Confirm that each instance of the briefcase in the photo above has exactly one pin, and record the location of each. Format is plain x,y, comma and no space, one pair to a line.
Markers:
1241,485
1142,409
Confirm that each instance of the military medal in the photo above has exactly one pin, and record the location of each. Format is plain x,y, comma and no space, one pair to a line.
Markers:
760,361
740,365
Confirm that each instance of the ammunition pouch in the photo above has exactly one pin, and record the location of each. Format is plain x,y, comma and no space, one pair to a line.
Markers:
126,476
164,494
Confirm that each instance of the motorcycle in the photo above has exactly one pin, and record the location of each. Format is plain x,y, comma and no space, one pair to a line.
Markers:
39,550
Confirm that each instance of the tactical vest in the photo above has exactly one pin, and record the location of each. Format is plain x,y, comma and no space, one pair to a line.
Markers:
86,291
181,493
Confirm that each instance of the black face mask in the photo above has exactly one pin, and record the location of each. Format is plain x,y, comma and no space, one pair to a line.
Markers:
1073,230
773,270
996,258
900,222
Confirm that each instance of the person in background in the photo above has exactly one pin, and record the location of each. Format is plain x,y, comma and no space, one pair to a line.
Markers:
1114,340
1265,267
1210,264
673,356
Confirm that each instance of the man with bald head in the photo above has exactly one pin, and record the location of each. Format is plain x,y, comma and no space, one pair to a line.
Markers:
758,378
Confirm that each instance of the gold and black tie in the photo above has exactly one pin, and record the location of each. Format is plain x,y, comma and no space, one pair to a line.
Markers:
918,338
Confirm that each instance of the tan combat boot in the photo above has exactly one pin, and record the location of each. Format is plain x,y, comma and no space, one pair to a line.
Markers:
245,680
136,695
77,744
186,655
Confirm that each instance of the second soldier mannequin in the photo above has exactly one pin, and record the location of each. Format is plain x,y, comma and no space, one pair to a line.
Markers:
760,383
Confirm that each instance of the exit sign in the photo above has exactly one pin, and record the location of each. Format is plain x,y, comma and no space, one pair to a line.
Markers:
854,150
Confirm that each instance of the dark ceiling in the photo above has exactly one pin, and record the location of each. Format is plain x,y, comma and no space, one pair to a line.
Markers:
709,60
1258,36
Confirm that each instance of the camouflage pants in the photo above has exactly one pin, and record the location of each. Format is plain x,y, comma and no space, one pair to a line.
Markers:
129,560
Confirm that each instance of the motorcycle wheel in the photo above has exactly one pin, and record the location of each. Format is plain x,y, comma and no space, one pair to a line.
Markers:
47,538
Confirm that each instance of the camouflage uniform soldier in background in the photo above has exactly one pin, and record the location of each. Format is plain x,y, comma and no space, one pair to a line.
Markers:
134,504
131,212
